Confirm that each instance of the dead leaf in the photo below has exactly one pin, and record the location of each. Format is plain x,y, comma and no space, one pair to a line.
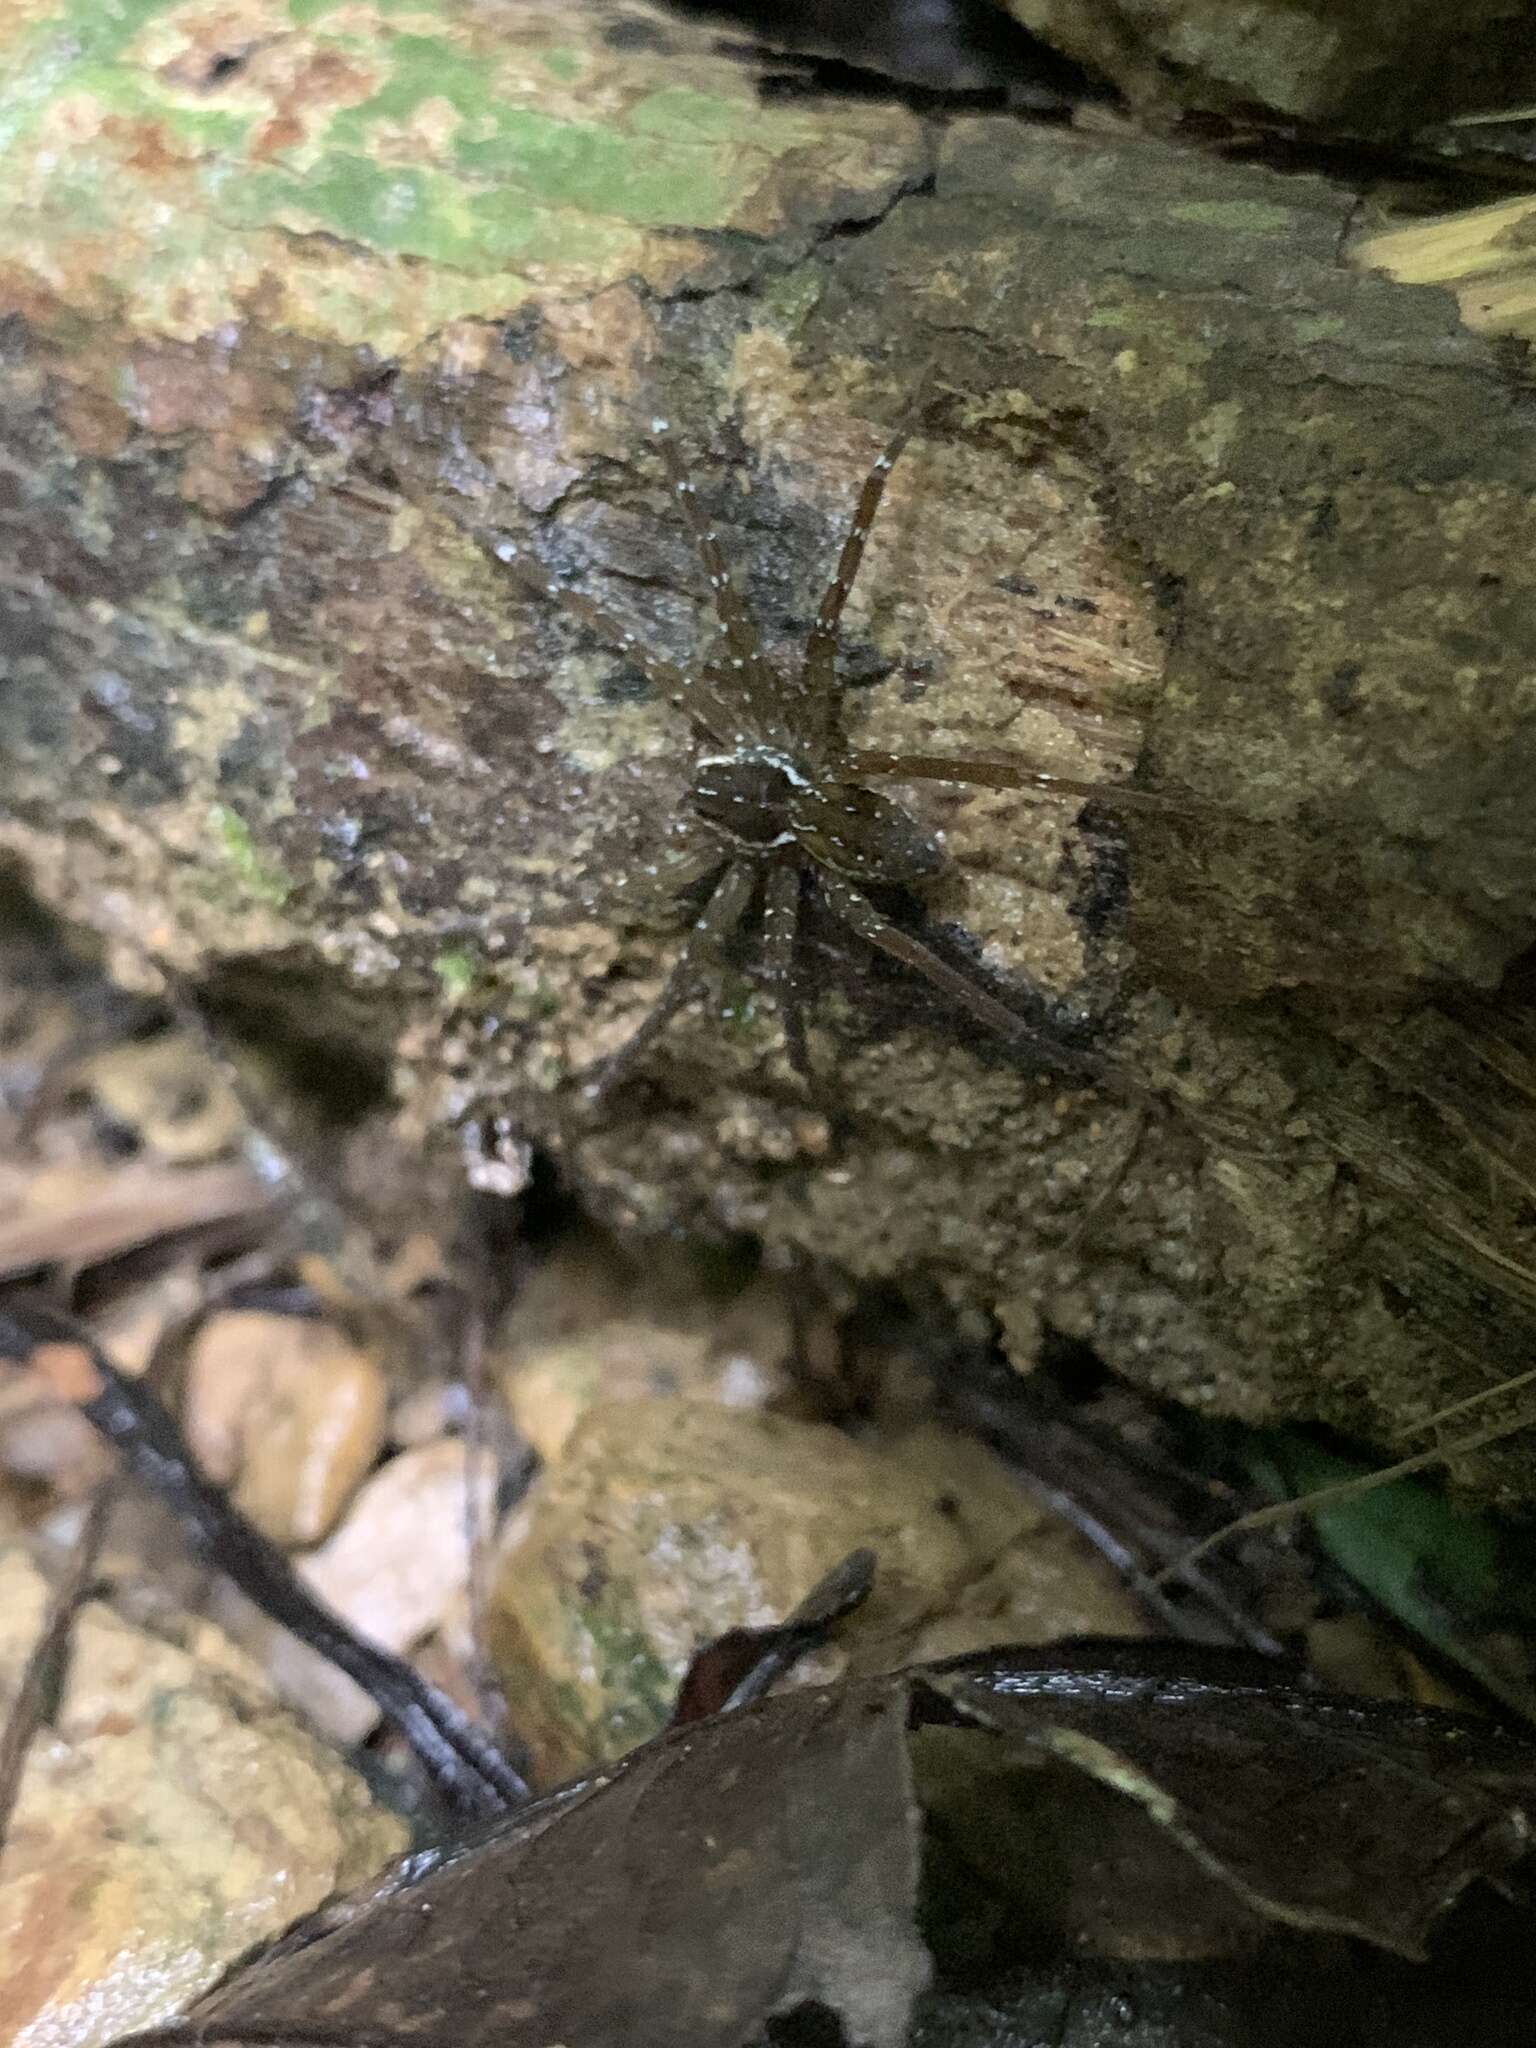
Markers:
759,1863
1321,1811
765,1862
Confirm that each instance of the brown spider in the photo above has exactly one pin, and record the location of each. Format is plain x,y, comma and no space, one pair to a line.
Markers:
779,802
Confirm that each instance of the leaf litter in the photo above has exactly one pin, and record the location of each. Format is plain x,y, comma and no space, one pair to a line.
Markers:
766,1863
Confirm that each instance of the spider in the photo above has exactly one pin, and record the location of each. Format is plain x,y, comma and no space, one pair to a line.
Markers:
779,804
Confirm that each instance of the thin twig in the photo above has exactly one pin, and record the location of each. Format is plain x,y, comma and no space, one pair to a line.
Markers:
49,1651
469,1767
479,1460
1367,1482
1099,1505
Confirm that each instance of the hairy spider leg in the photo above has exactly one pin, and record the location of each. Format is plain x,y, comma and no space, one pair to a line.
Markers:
818,684
781,934
861,764
691,853
727,905
741,676
861,916
694,695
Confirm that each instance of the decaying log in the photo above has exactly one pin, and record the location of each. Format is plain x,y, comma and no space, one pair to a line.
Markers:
304,320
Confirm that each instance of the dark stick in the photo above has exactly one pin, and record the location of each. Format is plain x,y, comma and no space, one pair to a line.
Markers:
468,1768
1077,1479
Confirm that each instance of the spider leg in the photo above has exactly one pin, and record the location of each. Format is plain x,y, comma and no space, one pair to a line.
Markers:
781,933
671,683
687,856
741,671
1098,1204
816,675
860,764
725,909
857,912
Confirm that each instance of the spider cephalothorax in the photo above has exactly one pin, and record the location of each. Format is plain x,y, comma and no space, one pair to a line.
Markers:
779,805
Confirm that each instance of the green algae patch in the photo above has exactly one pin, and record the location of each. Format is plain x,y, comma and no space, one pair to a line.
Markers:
367,174
563,64
1236,216
259,877
455,971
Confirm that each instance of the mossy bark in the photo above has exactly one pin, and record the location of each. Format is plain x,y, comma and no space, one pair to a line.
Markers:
304,320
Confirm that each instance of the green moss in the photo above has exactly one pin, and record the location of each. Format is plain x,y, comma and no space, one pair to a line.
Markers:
563,64
678,113
602,170
421,68
455,969
629,171
1320,327
641,1686
411,210
52,52
142,96
792,298
470,153
259,877
1237,216
302,12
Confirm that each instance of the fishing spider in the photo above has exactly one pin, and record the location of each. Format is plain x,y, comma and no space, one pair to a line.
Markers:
779,803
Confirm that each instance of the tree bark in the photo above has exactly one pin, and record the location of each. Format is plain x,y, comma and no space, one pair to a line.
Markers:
302,328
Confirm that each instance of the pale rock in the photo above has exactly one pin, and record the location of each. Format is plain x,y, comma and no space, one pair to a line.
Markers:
592,1328
170,1817
288,1414
130,1326
169,1093
395,1570
667,1522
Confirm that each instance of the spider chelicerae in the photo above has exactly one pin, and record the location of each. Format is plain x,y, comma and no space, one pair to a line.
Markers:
780,805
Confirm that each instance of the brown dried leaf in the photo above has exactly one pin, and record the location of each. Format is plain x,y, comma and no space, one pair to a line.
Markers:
763,1861
1323,1812
717,1876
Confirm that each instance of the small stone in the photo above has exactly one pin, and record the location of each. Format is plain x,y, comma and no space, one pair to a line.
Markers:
169,1817
595,1329
395,1570
426,1412
45,1442
286,1412
129,1327
667,1522
170,1095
